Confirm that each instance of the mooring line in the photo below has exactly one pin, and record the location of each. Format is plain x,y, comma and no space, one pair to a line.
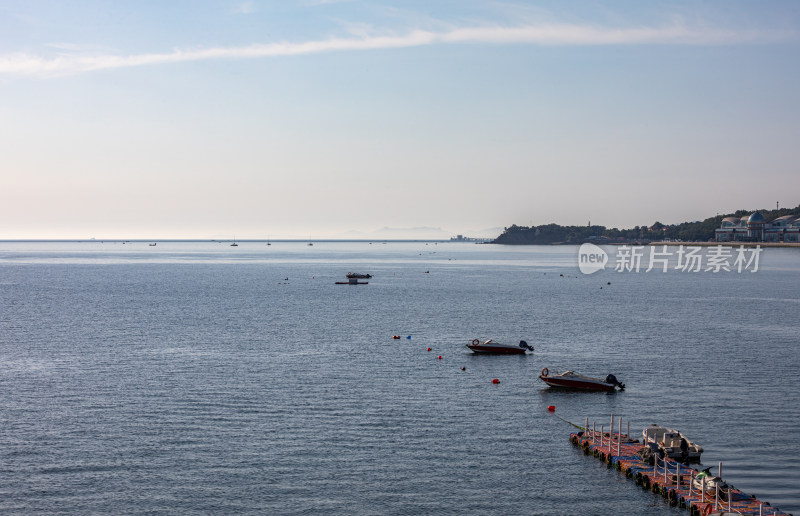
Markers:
571,423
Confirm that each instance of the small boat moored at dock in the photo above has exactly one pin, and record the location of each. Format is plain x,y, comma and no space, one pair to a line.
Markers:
671,443
573,380
358,275
711,484
491,347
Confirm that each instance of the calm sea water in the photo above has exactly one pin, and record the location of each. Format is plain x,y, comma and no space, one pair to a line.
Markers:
204,378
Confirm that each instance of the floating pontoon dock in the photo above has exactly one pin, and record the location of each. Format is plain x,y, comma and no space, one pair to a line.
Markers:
672,480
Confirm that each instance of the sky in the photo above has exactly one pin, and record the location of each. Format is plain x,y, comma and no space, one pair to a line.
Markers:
337,118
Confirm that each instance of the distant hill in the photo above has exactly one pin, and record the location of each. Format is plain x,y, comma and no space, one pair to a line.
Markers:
700,231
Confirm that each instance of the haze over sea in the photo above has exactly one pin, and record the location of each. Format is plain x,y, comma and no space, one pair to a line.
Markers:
196,377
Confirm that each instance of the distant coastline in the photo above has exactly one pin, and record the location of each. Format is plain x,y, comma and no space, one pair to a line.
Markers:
698,232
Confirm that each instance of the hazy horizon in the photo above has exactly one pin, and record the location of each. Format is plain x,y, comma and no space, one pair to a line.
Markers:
326,118
384,234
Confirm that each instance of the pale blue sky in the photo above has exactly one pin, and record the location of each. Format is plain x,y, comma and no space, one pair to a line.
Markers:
315,118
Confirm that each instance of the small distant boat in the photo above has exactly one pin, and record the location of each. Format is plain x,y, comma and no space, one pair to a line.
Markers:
358,275
671,443
490,346
573,380
310,243
234,244
152,245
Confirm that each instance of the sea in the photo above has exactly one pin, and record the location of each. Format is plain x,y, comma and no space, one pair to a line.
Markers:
204,378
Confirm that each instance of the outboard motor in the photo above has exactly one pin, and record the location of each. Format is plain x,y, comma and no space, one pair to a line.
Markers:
524,345
613,380
647,455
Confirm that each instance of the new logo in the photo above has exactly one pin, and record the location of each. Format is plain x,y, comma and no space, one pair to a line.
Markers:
591,258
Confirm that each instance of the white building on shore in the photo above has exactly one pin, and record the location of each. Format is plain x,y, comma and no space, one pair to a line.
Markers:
756,229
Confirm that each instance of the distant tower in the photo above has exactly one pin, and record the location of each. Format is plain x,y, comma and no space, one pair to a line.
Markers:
589,224
777,203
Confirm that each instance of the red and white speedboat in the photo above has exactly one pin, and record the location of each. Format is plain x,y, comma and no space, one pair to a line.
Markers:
573,380
490,346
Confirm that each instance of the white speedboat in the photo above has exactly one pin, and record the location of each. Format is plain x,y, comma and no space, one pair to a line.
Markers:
671,443
573,380
490,346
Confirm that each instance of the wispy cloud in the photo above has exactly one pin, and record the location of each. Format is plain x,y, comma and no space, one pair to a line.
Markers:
245,8
24,64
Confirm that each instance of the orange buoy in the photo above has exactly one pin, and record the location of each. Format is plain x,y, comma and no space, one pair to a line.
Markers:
551,408
429,349
495,381
463,368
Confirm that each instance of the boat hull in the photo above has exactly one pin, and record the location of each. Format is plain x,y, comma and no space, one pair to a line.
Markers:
496,350
678,455
576,383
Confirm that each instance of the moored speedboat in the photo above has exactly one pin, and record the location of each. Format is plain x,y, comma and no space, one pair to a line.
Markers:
671,443
358,275
573,380
490,346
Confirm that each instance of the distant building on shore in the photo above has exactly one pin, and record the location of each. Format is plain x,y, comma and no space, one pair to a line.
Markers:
462,238
756,229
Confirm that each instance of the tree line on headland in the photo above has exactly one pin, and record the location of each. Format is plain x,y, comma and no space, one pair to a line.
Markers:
698,231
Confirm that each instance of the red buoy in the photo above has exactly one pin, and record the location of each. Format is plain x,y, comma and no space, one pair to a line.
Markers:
495,381
463,368
429,349
440,357
551,408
